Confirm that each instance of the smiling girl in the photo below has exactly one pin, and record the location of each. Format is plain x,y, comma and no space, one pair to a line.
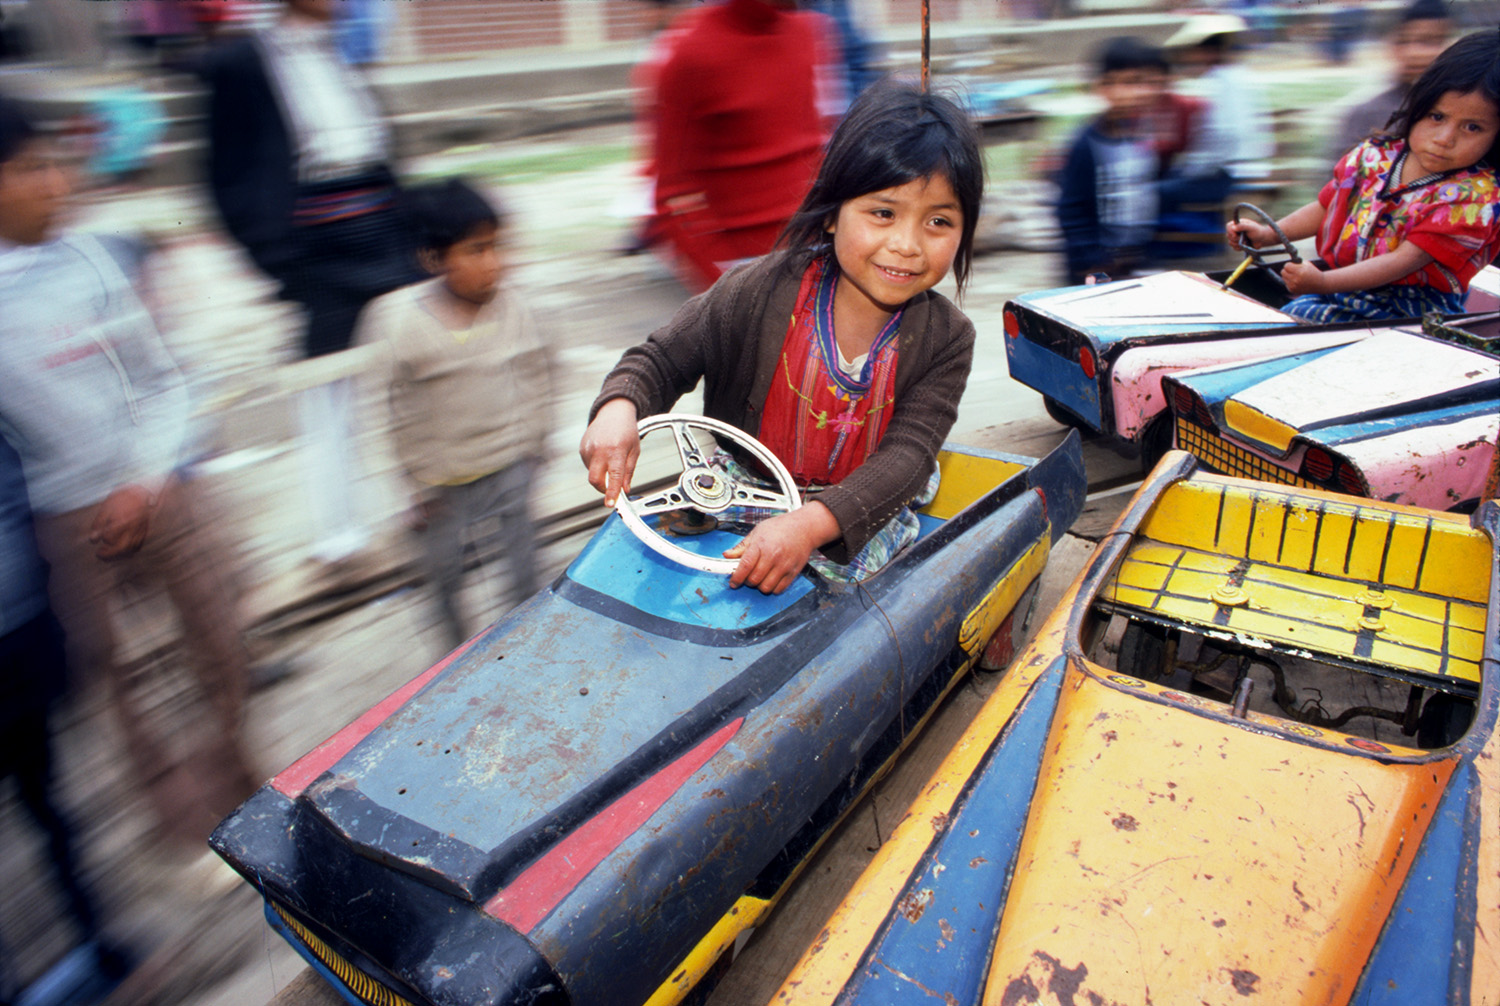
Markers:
1409,217
835,352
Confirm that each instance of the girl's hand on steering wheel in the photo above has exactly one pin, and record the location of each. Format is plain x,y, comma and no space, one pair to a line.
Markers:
1251,233
1304,277
611,447
774,552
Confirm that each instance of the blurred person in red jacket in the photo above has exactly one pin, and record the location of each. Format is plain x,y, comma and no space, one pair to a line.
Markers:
742,101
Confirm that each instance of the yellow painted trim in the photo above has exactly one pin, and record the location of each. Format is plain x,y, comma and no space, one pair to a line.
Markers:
746,913
829,963
1258,426
1326,534
965,478
359,983
1420,633
987,616
1484,986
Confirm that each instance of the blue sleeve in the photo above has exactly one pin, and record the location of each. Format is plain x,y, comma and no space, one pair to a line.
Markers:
23,578
1078,209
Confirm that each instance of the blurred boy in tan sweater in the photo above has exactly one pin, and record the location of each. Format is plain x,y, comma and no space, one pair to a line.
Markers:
470,383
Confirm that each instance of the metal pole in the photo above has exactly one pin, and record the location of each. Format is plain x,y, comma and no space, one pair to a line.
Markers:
926,42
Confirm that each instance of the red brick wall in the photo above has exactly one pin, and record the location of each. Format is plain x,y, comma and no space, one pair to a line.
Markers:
899,12
476,27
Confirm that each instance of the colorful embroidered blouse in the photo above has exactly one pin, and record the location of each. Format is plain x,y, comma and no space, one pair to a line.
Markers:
818,420
1451,216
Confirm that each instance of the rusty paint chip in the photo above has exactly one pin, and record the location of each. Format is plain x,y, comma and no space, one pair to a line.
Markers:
914,903
1244,981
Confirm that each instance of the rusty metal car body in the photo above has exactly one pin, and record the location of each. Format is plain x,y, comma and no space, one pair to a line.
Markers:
1252,756
1098,354
590,801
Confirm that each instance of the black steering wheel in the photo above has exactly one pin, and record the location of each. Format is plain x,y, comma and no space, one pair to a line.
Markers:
1258,255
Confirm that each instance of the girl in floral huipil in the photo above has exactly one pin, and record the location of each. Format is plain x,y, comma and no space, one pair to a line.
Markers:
1408,217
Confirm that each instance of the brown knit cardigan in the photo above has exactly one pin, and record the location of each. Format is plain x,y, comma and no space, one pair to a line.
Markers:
731,337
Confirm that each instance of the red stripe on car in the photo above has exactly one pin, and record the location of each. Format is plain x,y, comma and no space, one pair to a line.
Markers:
293,779
526,900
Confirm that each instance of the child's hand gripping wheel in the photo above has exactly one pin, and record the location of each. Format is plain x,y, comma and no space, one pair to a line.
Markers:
704,487
1258,255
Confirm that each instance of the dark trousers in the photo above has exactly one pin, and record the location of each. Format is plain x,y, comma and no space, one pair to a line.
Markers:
340,265
32,668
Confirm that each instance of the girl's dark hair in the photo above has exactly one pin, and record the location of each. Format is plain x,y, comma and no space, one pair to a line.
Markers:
15,128
892,134
1471,64
443,213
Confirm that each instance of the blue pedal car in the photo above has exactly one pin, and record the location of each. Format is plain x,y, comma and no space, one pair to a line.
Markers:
593,798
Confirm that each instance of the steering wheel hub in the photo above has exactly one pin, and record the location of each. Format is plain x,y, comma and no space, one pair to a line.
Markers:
706,489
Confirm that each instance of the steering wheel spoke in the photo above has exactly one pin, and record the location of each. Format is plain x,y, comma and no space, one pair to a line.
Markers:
688,448
661,501
759,496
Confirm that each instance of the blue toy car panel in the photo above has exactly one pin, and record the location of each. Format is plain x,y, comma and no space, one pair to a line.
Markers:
941,944
1056,377
1403,969
615,563
472,758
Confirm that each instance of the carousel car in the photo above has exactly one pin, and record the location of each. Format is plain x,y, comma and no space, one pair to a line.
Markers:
592,799
1252,756
1097,354
1408,414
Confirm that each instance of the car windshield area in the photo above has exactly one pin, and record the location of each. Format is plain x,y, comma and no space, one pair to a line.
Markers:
1325,614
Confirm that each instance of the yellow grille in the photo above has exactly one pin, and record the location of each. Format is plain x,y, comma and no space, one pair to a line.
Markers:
1231,460
362,985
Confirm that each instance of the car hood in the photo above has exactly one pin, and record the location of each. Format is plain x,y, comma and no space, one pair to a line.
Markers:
1249,832
1392,379
1164,304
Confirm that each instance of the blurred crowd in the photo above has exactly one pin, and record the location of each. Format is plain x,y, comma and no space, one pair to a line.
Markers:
99,501
1184,128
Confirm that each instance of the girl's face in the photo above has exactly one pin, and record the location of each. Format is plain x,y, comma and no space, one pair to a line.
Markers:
1456,133
895,243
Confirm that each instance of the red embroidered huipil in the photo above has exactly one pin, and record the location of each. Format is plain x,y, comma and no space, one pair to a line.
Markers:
818,420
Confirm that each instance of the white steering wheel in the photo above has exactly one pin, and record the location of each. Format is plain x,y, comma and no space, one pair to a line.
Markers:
704,487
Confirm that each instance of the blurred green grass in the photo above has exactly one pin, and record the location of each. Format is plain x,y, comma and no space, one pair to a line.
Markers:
533,166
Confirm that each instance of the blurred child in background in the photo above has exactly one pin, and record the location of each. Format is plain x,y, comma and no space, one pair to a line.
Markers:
470,384
1409,217
1421,32
1107,191
98,412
